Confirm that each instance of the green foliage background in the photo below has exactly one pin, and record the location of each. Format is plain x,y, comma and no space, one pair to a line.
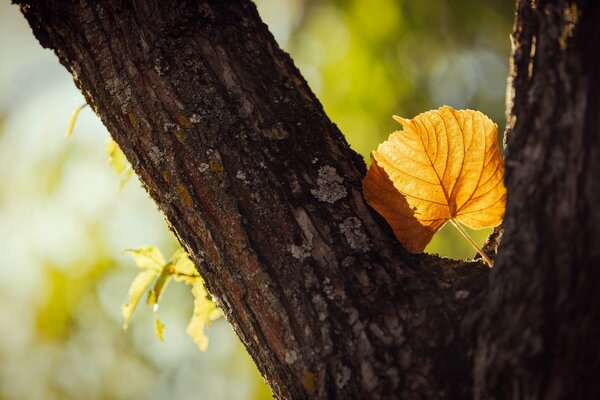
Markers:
64,222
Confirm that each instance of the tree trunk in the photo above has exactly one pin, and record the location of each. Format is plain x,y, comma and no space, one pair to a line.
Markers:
541,331
265,195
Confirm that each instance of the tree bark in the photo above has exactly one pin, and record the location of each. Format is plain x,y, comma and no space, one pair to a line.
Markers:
540,334
265,195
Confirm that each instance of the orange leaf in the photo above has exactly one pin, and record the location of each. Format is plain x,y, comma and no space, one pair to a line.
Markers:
445,164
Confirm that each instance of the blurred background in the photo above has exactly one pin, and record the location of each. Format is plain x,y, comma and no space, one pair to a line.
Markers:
64,222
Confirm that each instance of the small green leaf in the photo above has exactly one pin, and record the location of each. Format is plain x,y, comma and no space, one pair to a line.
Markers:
138,286
73,119
205,311
148,257
159,328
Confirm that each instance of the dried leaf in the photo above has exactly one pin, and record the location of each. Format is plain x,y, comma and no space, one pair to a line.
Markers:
445,164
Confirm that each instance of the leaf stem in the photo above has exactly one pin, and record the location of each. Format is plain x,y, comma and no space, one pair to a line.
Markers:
73,119
470,240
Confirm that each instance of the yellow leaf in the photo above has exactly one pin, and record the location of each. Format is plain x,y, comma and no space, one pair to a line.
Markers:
183,267
118,162
159,287
205,311
444,165
159,328
73,119
149,257
138,286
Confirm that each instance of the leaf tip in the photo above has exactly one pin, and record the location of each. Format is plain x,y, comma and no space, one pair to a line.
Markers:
402,121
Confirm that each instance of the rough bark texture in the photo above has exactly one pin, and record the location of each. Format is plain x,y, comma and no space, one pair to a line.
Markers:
541,331
265,195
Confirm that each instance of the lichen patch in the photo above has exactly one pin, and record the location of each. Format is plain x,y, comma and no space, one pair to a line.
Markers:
203,167
156,155
354,233
342,377
300,252
169,126
241,175
290,356
329,186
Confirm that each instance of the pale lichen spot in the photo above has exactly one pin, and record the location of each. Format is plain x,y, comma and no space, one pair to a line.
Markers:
156,155
168,126
342,377
120,92
290,357
170,197
241,175
329,188
352,230
203,167
300,252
